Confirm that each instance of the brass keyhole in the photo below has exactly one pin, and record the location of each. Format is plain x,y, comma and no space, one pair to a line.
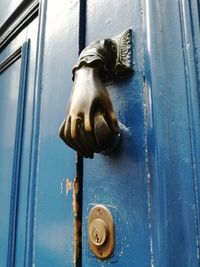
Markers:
98,232
101,232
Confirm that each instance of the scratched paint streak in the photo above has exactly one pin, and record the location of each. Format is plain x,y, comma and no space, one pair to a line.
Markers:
148,174
147,106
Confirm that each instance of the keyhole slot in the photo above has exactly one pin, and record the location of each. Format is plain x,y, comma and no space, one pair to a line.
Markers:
97,238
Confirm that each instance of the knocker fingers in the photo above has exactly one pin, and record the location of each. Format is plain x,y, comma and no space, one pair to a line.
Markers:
80,139
110,115
74,132
112,121
103,133
87,123
86,139
65,134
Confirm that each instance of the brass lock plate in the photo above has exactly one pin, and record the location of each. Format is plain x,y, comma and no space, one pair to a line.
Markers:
101,232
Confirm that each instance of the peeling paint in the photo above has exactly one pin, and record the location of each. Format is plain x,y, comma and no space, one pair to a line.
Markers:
77,209
68,186
65,186
77,222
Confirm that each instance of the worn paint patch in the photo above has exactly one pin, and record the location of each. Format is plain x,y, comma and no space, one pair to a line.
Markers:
77,209
77,222
68,186
65,186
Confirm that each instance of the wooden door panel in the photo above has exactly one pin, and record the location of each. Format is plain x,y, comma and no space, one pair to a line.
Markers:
9,101
16,109
119,180
150,182
54,223
172,116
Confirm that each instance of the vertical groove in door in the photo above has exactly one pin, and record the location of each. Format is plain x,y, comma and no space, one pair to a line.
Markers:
77,209
17,158
78,180
190,58
82,25
32,186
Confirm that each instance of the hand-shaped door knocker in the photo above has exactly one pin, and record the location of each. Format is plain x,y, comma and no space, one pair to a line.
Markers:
91,125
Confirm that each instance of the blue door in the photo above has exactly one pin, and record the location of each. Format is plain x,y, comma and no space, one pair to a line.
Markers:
149,183
18,46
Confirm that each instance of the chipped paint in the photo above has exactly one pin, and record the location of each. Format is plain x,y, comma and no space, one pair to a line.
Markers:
77,209
77,223
68,186
65,186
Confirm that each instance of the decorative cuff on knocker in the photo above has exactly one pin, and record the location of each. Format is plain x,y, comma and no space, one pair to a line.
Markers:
112,56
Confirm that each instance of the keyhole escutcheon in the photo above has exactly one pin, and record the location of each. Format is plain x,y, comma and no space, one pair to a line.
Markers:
101,232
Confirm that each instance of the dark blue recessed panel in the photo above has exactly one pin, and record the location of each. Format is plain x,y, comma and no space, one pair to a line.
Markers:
16,106
9,96
24,190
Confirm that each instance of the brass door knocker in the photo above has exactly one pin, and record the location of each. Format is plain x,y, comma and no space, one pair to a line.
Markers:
91,125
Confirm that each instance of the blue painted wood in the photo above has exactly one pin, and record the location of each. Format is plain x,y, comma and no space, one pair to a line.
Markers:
172,120
9,100
17,157
150,183
16,94
54,216
119,180
34,145
23,220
